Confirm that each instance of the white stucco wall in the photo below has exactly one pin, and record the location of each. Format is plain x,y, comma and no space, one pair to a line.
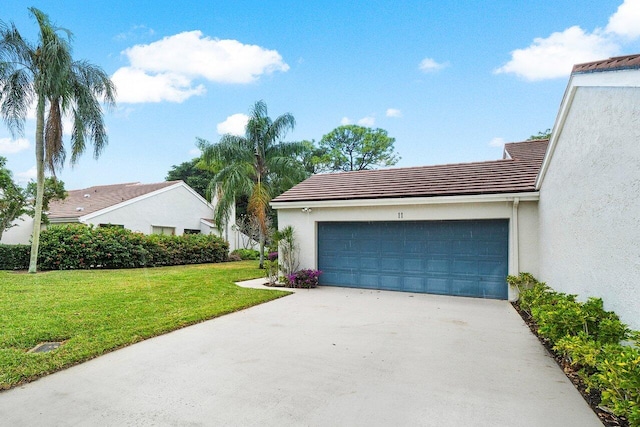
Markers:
176,207
20,233
522,258
589,205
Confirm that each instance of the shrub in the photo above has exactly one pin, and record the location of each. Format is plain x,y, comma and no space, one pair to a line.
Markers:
234,257
589,338
246,254
618,379
78,246
14,257
303,279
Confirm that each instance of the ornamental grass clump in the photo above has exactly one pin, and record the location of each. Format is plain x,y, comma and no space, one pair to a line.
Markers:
303,279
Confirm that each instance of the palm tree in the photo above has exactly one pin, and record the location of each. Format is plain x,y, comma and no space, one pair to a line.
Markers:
258,165
47,74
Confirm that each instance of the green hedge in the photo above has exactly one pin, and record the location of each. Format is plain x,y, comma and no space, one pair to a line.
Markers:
14,257
603,350
79,246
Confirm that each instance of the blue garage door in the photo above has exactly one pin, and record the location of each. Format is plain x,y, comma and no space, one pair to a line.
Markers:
465,258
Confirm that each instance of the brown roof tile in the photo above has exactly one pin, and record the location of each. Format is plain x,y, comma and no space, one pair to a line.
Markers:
611,64
100,197
509,175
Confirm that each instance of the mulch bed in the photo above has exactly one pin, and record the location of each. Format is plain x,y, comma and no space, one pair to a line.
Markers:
592,397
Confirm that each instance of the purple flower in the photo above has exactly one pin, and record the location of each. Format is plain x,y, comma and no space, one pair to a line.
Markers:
272,256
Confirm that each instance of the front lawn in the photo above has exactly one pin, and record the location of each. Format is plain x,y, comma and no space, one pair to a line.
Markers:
94,312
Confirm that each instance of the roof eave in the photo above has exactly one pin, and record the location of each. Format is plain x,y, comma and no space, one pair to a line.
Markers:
475,198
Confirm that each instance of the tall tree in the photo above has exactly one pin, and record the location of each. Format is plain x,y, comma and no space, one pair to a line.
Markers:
353,148
258,165
46,73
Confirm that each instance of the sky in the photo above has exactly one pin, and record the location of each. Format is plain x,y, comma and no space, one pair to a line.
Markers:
451,81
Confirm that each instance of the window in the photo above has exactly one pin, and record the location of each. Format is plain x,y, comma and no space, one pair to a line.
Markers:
168,231
191,231
110,225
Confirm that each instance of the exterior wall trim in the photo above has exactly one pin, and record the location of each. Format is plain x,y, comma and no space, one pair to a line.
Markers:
479,198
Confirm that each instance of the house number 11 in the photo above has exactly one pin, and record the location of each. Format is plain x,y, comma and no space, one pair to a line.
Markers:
400,215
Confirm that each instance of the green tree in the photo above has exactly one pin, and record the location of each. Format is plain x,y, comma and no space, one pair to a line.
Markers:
46,73
194,176
16,201
545,134
354,148
313,158
13,199
258,165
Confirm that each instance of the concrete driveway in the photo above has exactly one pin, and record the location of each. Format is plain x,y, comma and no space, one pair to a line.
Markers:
322,357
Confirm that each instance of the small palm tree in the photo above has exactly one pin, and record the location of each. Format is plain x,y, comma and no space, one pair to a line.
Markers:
257,165
47,74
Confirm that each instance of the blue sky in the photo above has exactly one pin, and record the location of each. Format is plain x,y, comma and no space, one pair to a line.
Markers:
450,80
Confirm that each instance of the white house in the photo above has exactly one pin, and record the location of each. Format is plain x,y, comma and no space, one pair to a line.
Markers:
568,214
589,184
170,207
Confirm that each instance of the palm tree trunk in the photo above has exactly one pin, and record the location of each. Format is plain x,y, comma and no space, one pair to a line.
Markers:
37,217
262,240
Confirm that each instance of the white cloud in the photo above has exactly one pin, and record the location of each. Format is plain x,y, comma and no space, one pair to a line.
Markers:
135,85
26,176
345,121
626,21
12,146
496,142
555,56
428,65
234,125
195,152
394,112
165,70
367,121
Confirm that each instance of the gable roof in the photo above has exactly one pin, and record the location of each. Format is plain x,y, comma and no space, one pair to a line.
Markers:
611,64
515,173
93,199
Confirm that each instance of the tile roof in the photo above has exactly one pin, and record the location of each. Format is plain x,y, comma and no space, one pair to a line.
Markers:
89,200
515,173
611,64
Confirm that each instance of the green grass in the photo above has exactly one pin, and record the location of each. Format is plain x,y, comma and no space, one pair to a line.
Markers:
95,312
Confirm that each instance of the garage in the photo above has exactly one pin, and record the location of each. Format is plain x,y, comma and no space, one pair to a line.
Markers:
450,257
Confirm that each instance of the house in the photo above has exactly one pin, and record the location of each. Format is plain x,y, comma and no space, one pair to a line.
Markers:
589,185
455,229
170,207
565,210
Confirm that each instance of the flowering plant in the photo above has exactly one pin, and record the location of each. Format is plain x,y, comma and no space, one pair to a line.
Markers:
303,279
272,256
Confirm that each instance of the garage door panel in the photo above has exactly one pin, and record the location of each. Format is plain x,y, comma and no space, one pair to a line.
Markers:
438,286
466,258
391,264
463,287
390,282
413,284
413,265
438,266
369,280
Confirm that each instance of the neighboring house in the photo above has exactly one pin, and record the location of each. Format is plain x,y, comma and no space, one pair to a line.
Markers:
162,208
569,214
